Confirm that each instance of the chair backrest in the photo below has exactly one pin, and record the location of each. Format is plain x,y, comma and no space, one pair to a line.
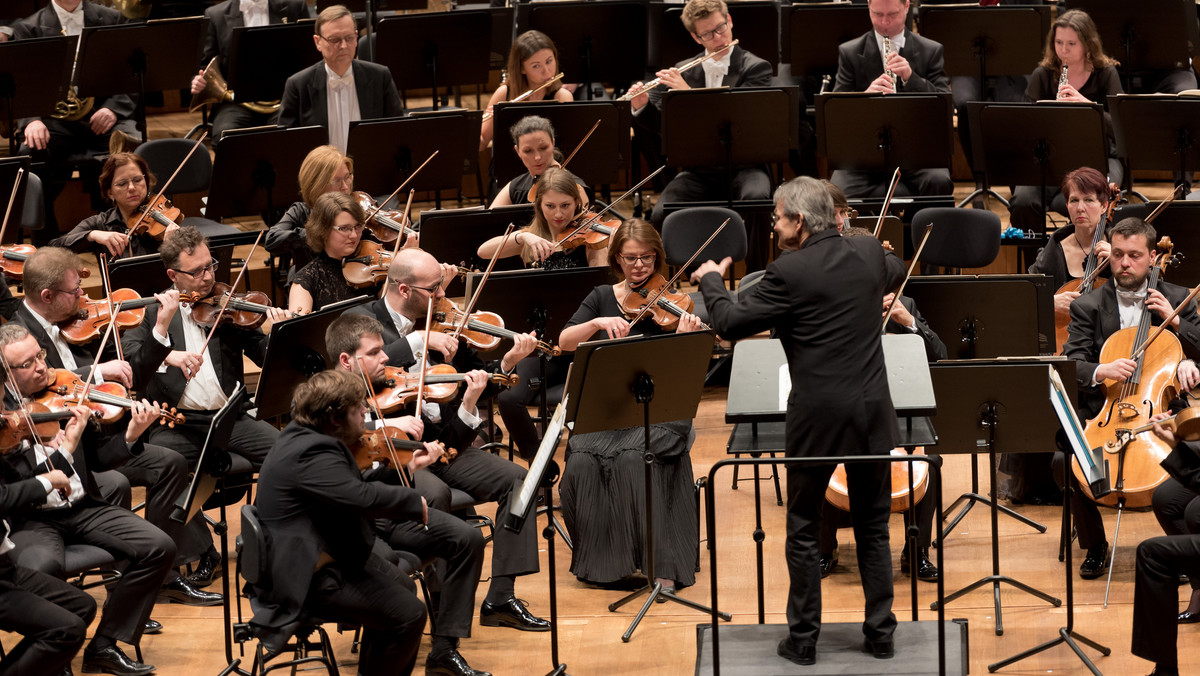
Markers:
33,210
164,155
253,556
961,238
684,231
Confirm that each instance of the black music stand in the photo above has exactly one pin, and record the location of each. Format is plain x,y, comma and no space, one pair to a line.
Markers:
757,32
386,152
18,9
1153,129
597,41
817,54
1038,144
147,276
1177,222
295,352
877,132
630,382
987,41
993,406
261,59
440,49
36,70
1150,34
596,163
454,235
254,171
977,317
136,58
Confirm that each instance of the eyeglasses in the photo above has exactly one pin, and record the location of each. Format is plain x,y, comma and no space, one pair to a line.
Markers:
136,180
346,181
719,30
630,260
78,290
211,267
343,41
348,229
41,356
848,213
775,217
427,289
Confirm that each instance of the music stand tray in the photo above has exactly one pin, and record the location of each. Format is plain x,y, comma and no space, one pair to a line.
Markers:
261,59
246,179
454,235
1156,131
748,122
537,300
386,152
596,163
1147,35
876,132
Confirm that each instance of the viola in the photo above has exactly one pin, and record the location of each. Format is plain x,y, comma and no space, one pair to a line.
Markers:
92,316
154,218
244,310
669,306
483,330
1092,267
108,400
368,266
1132,402
838,494
385,225
441,384
14,430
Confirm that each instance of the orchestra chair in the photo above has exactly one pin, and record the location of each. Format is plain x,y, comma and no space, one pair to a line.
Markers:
164,156
961,238
686,230
33,209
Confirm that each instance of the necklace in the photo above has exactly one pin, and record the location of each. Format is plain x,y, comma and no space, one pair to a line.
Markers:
1084,249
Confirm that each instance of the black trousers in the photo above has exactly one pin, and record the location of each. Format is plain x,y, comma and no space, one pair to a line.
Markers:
375,597
513,402
1177,509
252,439
43,535
1088,522
489,478
869,486
228,116
164,474
460,546
875,183
51,616
1160,562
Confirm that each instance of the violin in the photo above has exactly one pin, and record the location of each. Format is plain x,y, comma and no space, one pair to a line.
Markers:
368,266
12,260
1132,402
588,230
13,429
387,225
483,330
108,400
839,496
153,219
668,307
92,316
244,310
441,384
1092,268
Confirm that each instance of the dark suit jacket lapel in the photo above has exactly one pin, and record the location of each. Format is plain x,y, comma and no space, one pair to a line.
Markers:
369,104
50,23
389,325
737,62
1110,317
318,92
236,19
39,334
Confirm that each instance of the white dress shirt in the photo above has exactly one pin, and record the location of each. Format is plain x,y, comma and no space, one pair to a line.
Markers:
715,70
71,22
203,392
254,13
341,103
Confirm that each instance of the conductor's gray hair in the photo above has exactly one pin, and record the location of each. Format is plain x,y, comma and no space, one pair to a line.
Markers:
808,197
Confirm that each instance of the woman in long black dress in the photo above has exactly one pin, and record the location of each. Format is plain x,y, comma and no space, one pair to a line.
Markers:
334,229
602,488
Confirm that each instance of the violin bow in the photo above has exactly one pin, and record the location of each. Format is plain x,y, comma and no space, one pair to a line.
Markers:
608,208
87,385
580,145
225,301
26,417
522,97
424,360
654,298
145,212
460,325
887,314
887,201
1175,194
400,469
12,199
391,197
112,315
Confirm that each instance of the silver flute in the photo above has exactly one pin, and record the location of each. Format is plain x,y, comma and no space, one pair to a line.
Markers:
888,50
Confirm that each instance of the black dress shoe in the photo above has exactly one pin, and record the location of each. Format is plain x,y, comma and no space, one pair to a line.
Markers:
828,563
510,613
926,571
880,650
111,660
802,655
1095,563
152,627
1188,617
206,571
180,591
450,663
1165,671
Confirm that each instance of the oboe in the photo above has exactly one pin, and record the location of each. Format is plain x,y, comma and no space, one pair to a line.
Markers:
1062,82
888,50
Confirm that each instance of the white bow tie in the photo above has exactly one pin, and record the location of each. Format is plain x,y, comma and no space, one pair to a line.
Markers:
716,69
70,26
337,84
253,5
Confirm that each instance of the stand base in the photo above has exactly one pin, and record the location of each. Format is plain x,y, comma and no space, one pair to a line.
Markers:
995,581
234,668
560,670
982,191
656,590
971,499
558,527
1066,636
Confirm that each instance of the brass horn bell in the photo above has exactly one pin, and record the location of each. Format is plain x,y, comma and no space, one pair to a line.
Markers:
216,91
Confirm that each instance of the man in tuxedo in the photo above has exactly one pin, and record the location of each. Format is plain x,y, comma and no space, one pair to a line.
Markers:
79,514
917,66
316,510
413,278
223,17
823,301
711,26
340,89
52,141
1118,304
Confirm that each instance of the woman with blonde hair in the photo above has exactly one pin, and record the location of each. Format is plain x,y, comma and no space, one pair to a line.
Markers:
325,169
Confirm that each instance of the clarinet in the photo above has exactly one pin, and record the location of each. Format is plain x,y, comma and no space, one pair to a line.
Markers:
888,50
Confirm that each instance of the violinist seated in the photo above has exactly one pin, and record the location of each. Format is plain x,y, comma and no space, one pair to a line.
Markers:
52,142
559,210
223,17
357,341
324,169
51,615
77,513
533,141
532,62
125,182
334,230
339,89
1160,562
1119,304
417,281
315,509
711,27
601,466
1176,501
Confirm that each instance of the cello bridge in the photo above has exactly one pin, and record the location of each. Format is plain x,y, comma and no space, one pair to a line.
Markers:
1126,410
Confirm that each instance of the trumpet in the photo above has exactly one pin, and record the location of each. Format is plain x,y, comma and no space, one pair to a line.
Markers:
638,91
888,50
216,90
